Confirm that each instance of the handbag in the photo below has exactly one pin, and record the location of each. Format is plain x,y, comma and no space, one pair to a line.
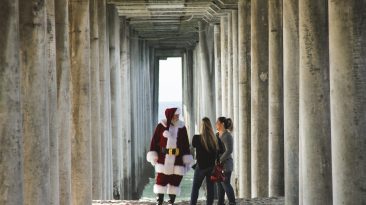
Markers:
217,174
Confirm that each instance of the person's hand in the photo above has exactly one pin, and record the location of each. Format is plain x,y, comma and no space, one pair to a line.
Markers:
187,168
154,162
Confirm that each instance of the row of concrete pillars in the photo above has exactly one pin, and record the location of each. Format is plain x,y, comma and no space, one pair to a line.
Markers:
78,99
75,103
291,74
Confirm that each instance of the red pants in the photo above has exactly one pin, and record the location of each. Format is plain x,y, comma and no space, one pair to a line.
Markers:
164,180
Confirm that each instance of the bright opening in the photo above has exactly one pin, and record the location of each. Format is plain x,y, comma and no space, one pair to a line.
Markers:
170,95
170,84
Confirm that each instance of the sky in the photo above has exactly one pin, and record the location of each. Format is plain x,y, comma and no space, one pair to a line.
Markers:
170,80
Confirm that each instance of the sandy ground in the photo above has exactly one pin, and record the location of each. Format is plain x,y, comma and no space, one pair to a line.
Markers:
257,201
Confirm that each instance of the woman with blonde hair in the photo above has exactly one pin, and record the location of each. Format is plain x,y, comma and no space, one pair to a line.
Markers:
207,147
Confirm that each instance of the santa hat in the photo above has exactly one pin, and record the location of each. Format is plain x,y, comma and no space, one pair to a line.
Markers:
169,114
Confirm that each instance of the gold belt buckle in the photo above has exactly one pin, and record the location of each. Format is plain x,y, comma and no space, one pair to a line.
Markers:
170,151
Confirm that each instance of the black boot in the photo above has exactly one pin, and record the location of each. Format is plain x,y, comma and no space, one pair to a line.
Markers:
172,199
159,199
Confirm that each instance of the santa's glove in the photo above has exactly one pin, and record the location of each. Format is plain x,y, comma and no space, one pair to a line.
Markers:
188,160
152,157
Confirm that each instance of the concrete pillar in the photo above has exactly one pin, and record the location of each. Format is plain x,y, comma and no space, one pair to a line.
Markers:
156,89
259,97
275,86
81,163
235,90
95,102
104,97
314,103
347,58
11,150
64,115
229,82
291,99
244,98
52,102
34,84
188,92
206,75
217,54
115,76
224,60
125,106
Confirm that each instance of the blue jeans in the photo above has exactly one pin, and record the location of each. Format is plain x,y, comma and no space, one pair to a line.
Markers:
223,187
199,175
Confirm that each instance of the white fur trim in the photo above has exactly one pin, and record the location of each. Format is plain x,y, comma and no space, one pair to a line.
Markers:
177,112
164,122
180,124
170,169
158,189
179,170
188,160
152,157
173,190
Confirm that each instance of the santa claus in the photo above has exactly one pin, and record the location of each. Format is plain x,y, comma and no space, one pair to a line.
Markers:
170,154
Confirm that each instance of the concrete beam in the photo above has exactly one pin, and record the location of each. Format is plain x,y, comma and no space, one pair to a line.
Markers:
64,115
11,148
275,90
347,84
259,97
291,99
34,86
244,98
315,133
81,162
95,102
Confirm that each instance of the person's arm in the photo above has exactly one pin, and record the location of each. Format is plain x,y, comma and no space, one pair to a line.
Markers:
187,157
227,140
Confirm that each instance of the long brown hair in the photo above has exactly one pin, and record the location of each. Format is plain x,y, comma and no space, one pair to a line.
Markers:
208,138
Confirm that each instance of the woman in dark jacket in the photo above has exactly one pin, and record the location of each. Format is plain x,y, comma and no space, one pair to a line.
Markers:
224,125
207,150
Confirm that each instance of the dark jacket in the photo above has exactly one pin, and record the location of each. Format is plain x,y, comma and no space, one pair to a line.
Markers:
205,159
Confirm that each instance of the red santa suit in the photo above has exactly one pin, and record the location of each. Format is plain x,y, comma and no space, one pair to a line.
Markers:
170,154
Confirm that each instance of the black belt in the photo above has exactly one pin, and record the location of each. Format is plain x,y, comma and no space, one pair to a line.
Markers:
173,151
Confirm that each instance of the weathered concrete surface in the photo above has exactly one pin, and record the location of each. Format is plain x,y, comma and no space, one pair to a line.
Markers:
235,90
188,95
81,162
259,98
224,64
291,99
64,115
230,105
34,95
11,148
255,201
315,133
116,101
126,106
105,113
218,84
206,74
275,95
52,103
347,48
95,102
244,98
